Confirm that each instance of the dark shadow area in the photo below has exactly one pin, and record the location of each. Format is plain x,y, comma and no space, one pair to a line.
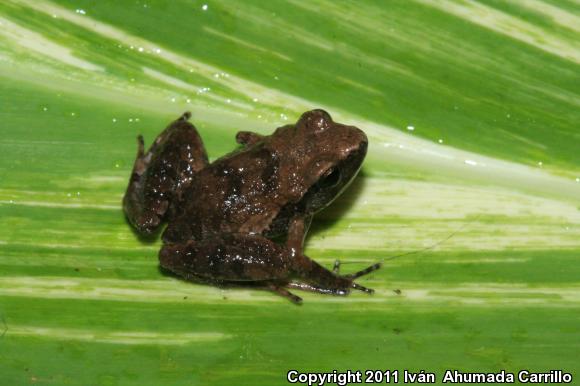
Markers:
340,207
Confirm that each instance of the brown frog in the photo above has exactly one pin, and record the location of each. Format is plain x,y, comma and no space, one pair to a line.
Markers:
222,217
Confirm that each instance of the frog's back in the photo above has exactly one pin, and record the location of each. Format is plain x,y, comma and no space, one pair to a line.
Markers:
238,193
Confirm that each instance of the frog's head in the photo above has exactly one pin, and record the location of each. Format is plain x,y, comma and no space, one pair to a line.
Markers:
328,156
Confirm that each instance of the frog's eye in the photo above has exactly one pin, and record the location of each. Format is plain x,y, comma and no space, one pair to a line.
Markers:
329,179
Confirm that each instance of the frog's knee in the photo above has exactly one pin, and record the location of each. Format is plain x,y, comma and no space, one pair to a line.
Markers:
170,257
147,223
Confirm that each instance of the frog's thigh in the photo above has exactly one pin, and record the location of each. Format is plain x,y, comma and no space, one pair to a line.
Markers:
230,257
175,155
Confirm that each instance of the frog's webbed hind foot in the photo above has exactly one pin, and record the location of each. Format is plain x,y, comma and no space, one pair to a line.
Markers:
316,278
356,275
175,155
313,288
362,272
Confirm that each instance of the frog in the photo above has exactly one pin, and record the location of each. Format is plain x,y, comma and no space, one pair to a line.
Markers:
242,219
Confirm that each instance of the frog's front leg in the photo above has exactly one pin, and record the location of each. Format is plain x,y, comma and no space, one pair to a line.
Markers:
297,230
169,164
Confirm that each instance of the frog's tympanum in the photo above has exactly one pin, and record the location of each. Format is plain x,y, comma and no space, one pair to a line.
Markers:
226,218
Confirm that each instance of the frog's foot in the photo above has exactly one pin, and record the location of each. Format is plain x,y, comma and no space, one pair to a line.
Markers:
314,277
320,290
360,273
356,275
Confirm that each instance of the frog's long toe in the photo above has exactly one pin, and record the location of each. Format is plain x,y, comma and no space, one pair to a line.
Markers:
365,271
356,275
362,288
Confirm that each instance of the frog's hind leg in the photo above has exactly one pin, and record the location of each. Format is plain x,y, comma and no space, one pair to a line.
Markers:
254,260
232,259
171,161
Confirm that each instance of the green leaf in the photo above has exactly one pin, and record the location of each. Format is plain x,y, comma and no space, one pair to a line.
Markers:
472,110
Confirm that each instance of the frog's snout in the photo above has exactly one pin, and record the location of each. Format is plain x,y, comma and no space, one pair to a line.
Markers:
356,144
352,139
